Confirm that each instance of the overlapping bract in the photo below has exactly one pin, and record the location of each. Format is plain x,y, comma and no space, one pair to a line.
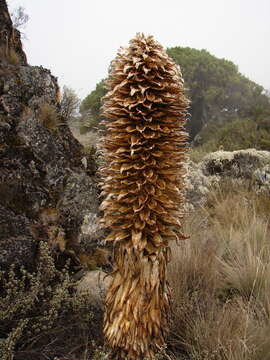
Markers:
145,111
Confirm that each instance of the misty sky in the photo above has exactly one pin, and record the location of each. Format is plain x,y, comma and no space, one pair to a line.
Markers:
77,39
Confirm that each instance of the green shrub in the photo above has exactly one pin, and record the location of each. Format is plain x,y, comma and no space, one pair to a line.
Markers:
234,135
90,106
40,311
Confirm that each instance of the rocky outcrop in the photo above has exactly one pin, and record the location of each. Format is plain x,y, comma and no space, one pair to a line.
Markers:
262,176
197,185
241,163
10,42
47,191
250,164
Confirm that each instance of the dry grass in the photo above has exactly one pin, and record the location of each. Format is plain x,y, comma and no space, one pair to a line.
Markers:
197,154
49,117
13,57
221,279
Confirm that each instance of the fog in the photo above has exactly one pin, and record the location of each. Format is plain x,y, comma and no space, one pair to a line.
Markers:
77,40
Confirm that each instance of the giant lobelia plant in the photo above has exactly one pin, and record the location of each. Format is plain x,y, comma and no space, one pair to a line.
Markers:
144,148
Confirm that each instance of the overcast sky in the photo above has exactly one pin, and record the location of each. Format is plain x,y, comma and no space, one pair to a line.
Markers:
77,39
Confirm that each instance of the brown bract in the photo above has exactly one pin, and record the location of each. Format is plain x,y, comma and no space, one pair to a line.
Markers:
144,148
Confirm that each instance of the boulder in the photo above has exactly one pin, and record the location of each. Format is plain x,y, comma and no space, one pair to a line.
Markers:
262,176
197,185
250,164
240,163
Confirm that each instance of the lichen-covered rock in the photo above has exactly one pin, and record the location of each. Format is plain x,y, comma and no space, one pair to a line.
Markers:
10,40
78,206
241,163
46,190
16,240
197,185
250,164
28,86
262,177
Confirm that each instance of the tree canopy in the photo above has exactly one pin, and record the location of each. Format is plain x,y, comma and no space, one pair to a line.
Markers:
217,90
90,106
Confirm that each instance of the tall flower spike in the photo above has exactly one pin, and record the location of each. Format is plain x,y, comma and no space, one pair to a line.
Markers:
144,148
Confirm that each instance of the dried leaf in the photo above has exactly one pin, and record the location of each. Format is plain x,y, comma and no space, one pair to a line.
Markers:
148,173
136,237
125,167
157,239
127,68
135,139
133,90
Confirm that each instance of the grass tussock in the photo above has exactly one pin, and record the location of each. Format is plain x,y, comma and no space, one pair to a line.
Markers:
49,117
196,154
13,57
221,279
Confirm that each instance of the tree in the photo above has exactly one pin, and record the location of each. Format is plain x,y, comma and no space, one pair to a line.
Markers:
19,18
69,103
145,112
90,106
218,92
